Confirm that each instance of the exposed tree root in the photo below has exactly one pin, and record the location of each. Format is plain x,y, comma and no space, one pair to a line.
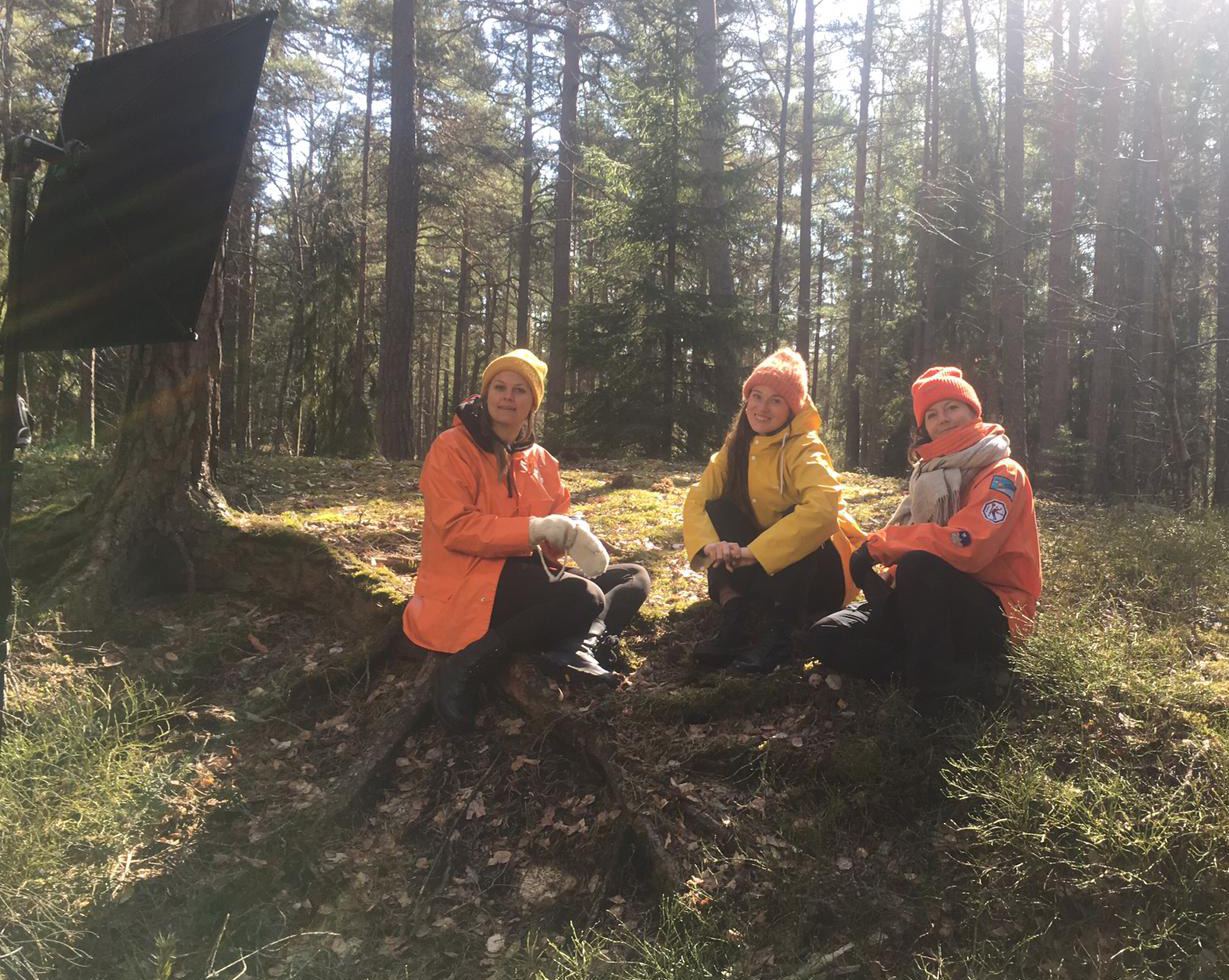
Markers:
661,818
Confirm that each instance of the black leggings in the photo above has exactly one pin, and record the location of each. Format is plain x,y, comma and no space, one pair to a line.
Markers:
815,583
531,612
938,628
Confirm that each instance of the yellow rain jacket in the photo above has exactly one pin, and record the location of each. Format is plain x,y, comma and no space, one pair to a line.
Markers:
788,469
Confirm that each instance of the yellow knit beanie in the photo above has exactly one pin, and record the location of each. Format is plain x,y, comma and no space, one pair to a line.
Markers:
525,363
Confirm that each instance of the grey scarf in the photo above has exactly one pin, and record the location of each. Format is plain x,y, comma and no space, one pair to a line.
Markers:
935,484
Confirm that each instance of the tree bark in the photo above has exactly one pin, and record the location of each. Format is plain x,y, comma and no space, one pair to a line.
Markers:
1105,253
1180,457
774,285
924,338
1220,485
394,419
524,251
802,340
565,182
853,408
247,329
1055,402
716,246
1013,259
6,74
462,331
358,437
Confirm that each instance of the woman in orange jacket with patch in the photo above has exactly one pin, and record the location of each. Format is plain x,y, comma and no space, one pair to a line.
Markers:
495,526
962,553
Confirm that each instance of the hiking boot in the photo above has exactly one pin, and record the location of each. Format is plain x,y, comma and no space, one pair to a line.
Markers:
575,658
730,639
773,648
456,686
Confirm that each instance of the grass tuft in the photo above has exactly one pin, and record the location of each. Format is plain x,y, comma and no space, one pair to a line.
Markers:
83,778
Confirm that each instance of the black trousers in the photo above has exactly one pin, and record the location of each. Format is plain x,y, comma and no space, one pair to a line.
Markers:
814,584
531,612
938,629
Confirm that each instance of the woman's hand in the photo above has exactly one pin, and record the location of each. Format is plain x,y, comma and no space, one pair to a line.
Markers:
730,554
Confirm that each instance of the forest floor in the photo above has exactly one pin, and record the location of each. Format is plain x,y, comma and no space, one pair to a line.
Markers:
190,791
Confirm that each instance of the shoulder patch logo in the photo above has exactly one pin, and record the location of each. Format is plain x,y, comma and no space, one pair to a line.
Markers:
961,539
1004,486
995,511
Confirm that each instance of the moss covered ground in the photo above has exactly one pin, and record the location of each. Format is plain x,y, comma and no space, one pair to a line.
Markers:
179,790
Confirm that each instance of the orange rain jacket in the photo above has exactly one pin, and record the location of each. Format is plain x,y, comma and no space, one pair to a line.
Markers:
472,522
992,537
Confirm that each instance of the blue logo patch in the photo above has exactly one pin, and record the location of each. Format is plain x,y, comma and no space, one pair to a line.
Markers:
961,539
1004,486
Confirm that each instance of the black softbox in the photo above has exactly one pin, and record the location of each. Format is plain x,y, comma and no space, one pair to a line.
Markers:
122,245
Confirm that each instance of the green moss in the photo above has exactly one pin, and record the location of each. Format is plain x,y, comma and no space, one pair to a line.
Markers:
43,542
730,697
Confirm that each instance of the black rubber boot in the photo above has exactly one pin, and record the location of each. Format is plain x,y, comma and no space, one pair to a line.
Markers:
456,687
772,649
610,654
575,658
730,639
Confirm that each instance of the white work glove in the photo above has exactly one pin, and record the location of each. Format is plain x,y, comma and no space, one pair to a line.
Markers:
588,551
555,530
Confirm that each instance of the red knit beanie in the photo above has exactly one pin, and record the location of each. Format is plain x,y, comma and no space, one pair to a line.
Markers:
785,373
938,383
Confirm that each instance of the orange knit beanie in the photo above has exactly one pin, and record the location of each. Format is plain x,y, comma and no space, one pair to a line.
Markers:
938,383
785,373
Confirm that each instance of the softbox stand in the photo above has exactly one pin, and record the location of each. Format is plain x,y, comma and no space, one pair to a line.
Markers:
130,217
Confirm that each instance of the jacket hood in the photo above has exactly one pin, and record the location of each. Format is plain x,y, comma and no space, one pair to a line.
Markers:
807,419
468,416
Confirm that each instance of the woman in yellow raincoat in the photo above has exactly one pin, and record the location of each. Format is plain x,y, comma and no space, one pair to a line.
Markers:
768,522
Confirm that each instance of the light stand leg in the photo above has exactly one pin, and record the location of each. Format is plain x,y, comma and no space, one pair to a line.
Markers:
19,173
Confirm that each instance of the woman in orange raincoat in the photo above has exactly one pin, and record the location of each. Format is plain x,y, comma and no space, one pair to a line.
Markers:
962,553
490,583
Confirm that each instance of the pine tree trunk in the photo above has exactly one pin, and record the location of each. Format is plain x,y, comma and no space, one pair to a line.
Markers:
873,420
853,407
1220,485
802,341
394,407
247,329
1055,404
569,157
925,338
774,286
1179,453
1013,260
6,74
229,325
1105,253
358,435
1137,390
524,250
462,331
716,245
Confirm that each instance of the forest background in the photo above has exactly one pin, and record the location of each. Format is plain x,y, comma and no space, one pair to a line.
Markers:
651,196
217,764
